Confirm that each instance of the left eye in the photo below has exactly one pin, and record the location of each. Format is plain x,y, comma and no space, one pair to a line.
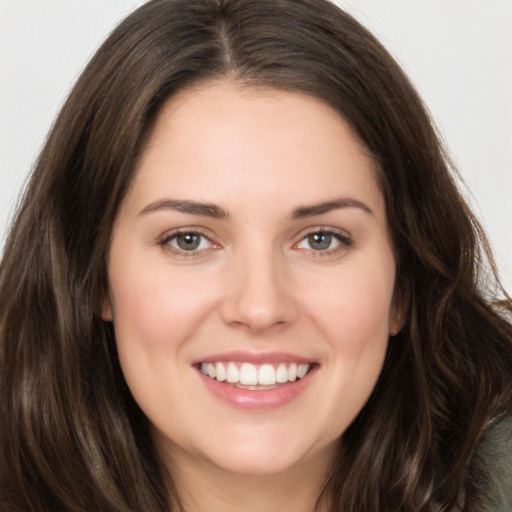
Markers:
322,241
188,241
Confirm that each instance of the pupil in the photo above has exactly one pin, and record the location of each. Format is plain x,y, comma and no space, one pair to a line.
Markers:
319,241
188,242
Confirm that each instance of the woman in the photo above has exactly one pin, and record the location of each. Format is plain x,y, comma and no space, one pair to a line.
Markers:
242,277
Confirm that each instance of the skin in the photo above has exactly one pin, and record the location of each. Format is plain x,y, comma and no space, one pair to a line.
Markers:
255,284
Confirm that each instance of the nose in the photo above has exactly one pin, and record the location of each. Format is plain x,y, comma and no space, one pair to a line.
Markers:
259,293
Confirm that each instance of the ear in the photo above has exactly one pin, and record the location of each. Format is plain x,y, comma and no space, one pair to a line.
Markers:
399,309
106,312
396,322
106,308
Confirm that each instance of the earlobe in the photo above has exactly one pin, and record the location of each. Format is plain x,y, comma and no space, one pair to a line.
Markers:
398,311
106,309
396,324
106,314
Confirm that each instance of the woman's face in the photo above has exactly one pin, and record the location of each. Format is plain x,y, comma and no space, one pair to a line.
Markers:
251,278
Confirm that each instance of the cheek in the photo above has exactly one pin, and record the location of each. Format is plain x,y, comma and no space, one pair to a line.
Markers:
353,313
356,304
156,314
142,314
155,299
353,317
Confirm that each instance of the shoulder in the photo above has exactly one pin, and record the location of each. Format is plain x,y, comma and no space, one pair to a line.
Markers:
493,465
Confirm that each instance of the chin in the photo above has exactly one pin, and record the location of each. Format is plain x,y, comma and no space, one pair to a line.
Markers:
257,465
260,455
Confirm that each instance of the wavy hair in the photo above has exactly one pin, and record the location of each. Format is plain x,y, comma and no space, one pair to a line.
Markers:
71,436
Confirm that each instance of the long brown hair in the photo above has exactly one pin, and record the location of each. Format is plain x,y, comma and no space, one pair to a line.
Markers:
72,438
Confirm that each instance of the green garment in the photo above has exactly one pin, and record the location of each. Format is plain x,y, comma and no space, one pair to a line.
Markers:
493,461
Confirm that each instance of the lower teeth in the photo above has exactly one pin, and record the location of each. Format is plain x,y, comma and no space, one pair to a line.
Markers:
253,388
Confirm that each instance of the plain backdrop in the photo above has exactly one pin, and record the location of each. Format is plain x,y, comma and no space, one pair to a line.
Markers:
457,52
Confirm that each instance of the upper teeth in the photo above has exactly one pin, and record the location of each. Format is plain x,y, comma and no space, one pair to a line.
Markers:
252,375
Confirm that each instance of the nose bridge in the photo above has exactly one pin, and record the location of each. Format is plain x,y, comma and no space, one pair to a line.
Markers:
259,292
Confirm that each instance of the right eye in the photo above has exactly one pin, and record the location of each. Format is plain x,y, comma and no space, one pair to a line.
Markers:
188,241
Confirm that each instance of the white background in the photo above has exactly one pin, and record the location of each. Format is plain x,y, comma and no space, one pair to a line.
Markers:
457,52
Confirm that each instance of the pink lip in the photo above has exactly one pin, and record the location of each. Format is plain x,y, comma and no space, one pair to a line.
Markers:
254,358
257,400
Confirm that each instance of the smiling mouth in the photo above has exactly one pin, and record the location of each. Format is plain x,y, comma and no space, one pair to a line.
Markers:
253,376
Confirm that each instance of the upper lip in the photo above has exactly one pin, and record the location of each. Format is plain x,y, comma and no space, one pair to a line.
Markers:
254,357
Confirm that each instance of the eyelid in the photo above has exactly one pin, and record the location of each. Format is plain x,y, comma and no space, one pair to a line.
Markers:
344,238
166,237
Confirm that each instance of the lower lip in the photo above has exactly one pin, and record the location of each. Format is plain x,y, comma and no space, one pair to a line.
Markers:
258,400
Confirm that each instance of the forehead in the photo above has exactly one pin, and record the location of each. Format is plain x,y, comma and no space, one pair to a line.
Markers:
223,139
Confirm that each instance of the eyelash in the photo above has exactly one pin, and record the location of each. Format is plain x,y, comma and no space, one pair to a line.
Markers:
343,239
168,238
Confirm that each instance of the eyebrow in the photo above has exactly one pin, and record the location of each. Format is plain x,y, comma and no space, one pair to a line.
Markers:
187,206
327,206
216,212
